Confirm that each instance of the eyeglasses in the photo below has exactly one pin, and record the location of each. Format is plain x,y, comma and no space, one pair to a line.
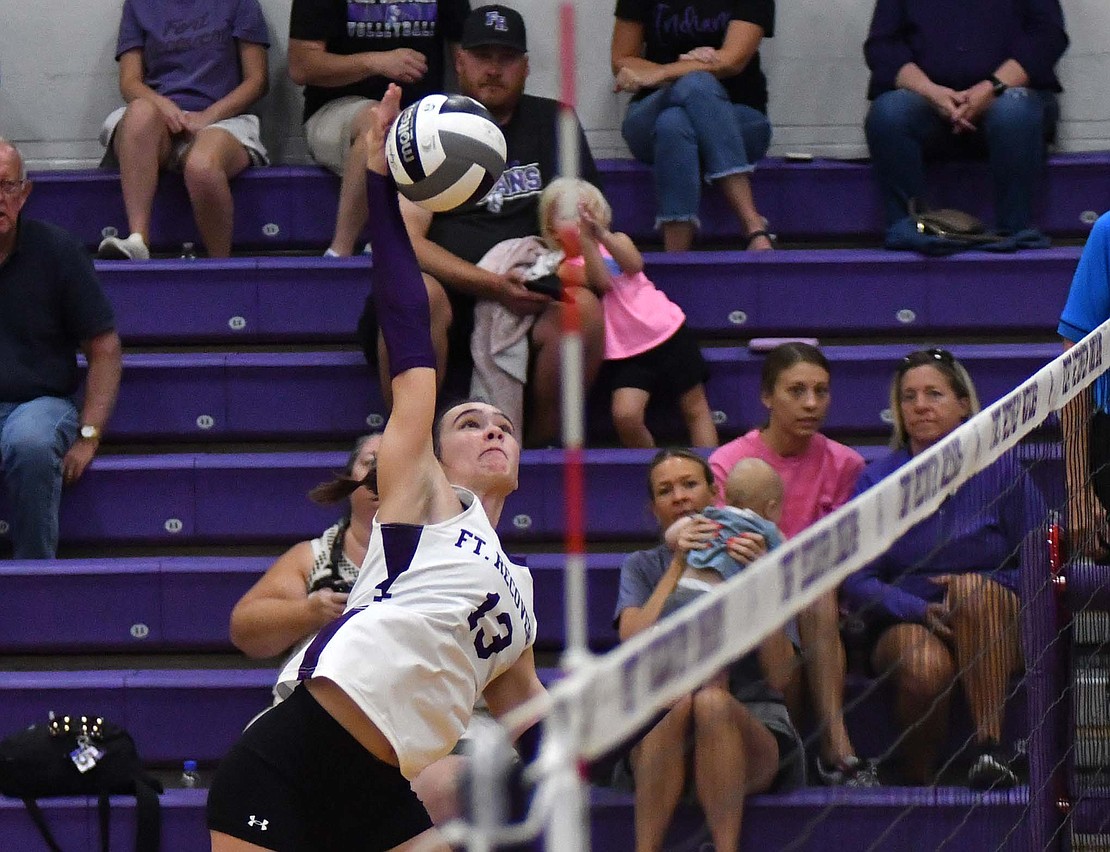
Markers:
924,357
11,187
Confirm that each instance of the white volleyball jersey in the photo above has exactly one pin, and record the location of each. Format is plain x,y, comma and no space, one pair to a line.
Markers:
436,614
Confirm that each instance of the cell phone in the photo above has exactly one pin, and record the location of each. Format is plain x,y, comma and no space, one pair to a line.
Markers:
541,276
334,583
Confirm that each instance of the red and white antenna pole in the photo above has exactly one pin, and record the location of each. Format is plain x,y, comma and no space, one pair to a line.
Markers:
573,367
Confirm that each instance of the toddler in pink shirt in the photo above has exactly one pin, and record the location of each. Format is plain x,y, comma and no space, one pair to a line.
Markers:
648,348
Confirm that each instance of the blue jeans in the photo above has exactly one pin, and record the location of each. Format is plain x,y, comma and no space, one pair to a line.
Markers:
34,437
687,127
903,130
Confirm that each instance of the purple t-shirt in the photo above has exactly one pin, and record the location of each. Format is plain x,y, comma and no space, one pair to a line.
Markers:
190,47
957,43
978,529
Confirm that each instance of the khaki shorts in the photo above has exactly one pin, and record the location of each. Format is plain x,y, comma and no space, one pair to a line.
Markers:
328,130
245,128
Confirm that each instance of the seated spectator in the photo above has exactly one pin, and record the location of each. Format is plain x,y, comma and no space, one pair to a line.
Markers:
753,506
306,588
699,105
492,67
345,54
1087,416
942,603
953,79
818,476
736,732
189,72
51,305
648,348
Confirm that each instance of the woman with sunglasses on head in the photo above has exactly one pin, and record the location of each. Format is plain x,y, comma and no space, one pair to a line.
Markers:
818,475
438,616
942,603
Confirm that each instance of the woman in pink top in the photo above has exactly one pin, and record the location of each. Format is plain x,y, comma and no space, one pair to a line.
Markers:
818,475
648,348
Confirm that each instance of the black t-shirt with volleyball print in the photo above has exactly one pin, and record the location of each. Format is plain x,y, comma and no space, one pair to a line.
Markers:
347,27
674,27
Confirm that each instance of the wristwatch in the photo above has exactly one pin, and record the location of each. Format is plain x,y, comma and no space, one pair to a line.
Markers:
997,86
90,432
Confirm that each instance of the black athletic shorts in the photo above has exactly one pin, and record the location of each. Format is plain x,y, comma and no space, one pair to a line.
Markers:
670,369
296,781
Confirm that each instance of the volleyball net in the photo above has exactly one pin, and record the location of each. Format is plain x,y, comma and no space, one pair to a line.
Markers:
1046,641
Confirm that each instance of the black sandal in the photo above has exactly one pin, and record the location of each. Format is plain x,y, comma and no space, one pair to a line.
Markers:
755,235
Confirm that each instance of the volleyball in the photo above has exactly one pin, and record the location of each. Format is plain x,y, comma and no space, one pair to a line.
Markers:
445,151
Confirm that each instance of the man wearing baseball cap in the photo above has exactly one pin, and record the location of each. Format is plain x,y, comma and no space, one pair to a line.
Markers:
492,67
495,25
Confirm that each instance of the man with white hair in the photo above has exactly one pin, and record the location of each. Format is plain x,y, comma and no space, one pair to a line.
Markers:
51,305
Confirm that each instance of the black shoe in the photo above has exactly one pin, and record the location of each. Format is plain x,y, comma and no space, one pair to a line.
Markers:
860,774
991,771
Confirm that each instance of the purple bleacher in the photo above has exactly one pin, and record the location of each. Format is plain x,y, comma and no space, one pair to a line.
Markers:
549,601
85,606
243,498
280,207
931,818
895,818
237,300
172,714
293,207
1088,585
833,199
334,395
837,292
136,604
198,594
74,823
183,603
824,292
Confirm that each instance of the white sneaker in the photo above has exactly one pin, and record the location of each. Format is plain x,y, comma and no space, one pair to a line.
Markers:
132,248
330,252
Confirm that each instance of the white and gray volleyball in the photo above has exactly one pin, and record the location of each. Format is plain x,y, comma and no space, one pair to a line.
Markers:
445,151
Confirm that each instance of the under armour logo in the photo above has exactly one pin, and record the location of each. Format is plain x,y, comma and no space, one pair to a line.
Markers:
497,21
260,823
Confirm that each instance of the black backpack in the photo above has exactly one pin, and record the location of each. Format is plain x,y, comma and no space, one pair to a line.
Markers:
80,756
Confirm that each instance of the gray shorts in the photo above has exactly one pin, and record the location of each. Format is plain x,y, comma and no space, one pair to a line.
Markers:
328,130
245,128
773,715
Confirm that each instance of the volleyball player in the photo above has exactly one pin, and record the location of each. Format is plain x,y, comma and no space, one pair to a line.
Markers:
437,616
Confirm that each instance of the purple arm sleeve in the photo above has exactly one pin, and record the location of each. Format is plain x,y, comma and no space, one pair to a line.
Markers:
402,302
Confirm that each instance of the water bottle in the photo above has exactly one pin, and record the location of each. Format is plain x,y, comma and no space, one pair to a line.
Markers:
188,251
189,775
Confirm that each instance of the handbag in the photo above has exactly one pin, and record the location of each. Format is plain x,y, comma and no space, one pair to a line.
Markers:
80,756
950,224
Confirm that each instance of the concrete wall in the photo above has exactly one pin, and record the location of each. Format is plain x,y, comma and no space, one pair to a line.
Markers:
58,77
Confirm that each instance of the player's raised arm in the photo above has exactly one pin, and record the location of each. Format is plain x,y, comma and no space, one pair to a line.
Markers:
411,483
